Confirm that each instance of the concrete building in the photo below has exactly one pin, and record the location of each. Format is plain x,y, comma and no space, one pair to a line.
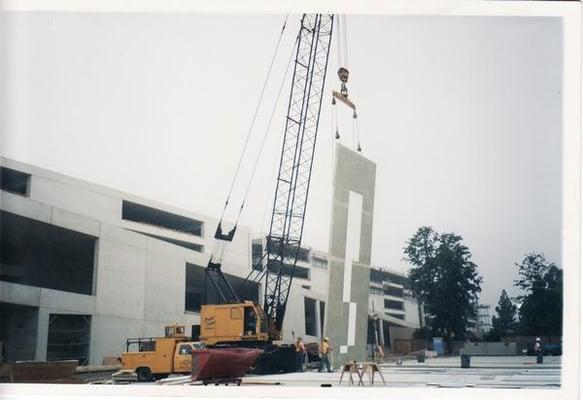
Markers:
307,301
391,304
484,318
482,323
82,267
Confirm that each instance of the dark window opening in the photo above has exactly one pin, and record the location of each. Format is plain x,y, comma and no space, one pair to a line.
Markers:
39,254
196,292
249,322
256,255
303,254
319,262
14,181
289,251
195,288
298,272
18,332
371,331
195,332
377,275
395,305
398,316
310,316
398,279
152,216
191,246
69,337
393,291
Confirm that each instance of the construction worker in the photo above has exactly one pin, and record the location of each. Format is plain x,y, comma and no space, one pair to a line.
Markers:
538,350
300,354
325,350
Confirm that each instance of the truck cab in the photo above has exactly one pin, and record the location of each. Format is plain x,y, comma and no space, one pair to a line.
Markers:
155,358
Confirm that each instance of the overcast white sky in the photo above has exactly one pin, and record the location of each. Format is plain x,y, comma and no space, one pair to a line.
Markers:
461,114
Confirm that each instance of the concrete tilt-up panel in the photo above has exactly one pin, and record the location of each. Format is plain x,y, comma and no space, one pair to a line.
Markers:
346,316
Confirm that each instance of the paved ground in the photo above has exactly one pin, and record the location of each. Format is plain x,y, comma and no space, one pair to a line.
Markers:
444,372
549,362
485,372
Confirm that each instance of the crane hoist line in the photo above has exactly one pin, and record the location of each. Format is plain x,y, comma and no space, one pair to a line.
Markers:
223,322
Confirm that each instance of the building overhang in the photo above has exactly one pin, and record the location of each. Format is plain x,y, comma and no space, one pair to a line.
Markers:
398,322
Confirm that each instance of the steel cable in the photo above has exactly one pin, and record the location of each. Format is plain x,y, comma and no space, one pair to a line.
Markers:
274,109
254,118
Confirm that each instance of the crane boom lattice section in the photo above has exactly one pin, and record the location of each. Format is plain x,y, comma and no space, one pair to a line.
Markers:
295,168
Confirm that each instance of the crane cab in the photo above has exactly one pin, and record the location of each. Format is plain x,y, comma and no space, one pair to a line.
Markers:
233,323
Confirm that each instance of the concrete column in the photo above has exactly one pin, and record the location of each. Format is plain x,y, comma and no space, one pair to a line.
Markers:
42,336
318,320
381,332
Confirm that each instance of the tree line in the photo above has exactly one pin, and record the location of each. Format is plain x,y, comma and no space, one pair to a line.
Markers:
538,311
446,281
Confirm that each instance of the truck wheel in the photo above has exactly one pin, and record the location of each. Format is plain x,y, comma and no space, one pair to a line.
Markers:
144,374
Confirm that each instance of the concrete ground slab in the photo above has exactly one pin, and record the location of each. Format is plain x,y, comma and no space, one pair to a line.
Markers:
489,372
550,362
500,372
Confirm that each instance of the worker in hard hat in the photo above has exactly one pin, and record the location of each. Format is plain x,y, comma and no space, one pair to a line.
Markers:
537,345
325,350
538,350
300,348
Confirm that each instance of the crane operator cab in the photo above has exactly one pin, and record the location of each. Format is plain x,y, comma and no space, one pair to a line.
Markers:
254,322
233,323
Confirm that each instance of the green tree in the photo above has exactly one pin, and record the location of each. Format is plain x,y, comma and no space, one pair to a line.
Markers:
420,333
541,305
445,279
504,323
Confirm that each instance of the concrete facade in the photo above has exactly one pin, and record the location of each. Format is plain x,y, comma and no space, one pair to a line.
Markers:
139,280
346,318
391,301
397,323
407,315
138,283
314,286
